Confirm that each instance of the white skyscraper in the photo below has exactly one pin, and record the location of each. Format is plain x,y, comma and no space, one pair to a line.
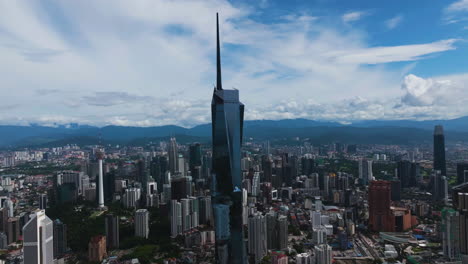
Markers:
131,197
323,254
38,244
142,223
100,156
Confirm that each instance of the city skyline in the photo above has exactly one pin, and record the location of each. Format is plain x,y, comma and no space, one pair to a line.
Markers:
290,59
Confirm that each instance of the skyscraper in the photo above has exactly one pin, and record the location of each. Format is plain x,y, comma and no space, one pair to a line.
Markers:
439,150
257,237
60,238
365,171
227,115
112,231
173,156
195,160
142,223
100,180
38,244
380,215
462,172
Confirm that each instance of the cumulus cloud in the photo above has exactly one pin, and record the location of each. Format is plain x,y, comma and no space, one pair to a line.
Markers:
394,22
152,62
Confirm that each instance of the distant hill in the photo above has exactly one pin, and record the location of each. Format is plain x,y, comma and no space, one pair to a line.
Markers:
360,132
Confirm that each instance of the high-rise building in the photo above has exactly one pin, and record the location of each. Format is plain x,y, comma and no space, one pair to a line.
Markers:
42,201
60,238
380,214
439,150
323,254
227,115
173,156
205,215
195,160
282,232
257,237
38,244
96,249
131,197
112,231
462,172
450,233
176,218
408,173
100,180
13,229
142,223
365,171
462,208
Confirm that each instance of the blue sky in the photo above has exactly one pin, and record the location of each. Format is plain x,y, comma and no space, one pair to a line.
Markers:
151,62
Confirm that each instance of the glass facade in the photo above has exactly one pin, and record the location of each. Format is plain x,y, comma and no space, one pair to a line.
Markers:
227,115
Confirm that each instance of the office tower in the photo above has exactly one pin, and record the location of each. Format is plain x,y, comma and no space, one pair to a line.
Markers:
439,186
181,167
42,201
131,197
307,166
450,233
109,185
205,216
408,173
71,177
462,172
267,168
3,241
439,150
227,115
13,229
173,156
112,231
462,208
142,223
100,180
181,187
257,237
380,215
38,244
195,160
323,254
365,171
176,218
396,189
60,238
97,248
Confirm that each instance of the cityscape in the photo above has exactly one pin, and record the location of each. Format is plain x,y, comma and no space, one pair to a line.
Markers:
236,189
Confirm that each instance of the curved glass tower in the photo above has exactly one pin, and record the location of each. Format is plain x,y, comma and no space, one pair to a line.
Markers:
227,115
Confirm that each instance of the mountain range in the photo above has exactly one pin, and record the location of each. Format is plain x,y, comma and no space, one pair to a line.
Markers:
359,132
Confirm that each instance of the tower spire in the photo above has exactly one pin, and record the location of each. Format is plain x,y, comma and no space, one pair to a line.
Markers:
219,85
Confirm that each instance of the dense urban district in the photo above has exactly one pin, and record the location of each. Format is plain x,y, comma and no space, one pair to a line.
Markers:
302,203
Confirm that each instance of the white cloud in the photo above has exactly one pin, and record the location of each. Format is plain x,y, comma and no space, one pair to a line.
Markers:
353,16
151,62
378,55
394,22
460,5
